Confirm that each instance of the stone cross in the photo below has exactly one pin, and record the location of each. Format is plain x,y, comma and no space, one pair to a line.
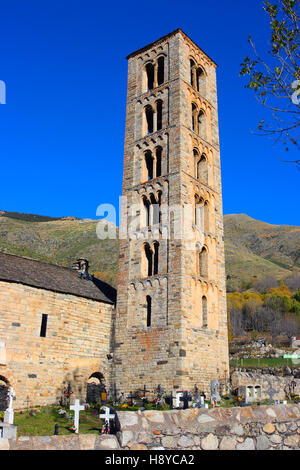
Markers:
76,408
107,416
9,413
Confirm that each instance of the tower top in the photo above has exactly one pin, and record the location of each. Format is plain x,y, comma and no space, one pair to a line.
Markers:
163,38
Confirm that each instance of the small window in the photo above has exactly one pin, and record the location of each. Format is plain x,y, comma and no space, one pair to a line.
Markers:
204,312
148,300
44,325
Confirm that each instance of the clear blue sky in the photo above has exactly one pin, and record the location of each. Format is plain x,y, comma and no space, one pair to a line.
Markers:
62,129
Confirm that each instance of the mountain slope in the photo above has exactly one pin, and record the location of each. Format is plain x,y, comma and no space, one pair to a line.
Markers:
253,249
59,241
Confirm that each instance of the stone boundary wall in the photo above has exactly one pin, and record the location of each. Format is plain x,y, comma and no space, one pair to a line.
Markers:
247,428
241,428
73,442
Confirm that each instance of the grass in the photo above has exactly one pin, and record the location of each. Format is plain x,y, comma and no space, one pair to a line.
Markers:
41,422
263,363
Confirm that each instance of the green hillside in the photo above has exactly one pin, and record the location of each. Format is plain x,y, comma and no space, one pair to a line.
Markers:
253,248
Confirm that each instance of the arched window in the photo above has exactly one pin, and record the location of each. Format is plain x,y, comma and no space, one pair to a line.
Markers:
154,210
149,309
203,259
199,212
158,154
192,71
194,117
149,259
200,80
160,70
204,312
201,124
149,69
155,256
202,169
159,194
146,212
206,217
149,165
149,114
159,111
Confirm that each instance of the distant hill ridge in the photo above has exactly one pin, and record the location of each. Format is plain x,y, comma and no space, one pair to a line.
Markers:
253,249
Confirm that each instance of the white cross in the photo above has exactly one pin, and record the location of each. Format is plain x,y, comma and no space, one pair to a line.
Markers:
107,416
76,408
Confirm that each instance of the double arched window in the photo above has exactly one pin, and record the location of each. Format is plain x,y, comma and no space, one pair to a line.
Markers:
153,117
152,164
197,79
151,213
198,121
154,74
201,218
201,167
150,259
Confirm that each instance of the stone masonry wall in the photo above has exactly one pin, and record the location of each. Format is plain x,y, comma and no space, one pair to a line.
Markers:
274,427
248,428
76,344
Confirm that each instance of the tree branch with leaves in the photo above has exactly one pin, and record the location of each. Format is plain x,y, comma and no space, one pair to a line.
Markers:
276,80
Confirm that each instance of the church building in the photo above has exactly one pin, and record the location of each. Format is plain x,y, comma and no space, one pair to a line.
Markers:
55,331
59,328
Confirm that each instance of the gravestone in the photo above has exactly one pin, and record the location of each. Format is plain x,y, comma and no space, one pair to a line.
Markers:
8,431
185,399
214,391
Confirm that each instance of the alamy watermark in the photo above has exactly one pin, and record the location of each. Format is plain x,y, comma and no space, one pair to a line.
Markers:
296,94
186,223
2,92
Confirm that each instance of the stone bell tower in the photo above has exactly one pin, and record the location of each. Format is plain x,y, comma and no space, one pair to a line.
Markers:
171,321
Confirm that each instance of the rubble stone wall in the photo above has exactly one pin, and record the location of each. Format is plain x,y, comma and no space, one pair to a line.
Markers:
272,386
248,428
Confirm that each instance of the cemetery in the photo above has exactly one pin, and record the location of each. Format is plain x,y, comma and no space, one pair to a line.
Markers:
163,420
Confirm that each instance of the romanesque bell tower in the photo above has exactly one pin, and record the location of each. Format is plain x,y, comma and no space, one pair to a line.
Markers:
171,322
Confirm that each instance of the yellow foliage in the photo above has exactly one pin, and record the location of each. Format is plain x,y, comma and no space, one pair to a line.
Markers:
238,299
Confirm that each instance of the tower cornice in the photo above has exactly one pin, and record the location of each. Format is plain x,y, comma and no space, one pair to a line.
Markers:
167,36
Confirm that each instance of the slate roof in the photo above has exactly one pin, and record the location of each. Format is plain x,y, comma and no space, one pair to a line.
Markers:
54,278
